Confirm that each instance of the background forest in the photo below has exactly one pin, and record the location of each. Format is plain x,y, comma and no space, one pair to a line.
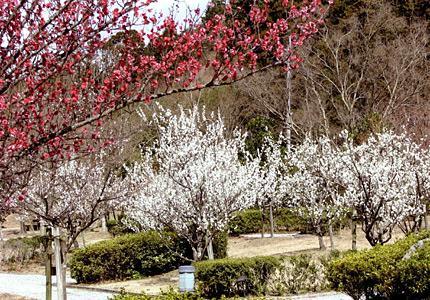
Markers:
367,69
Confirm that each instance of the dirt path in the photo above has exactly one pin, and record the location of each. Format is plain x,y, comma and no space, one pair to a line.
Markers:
248,247
151,285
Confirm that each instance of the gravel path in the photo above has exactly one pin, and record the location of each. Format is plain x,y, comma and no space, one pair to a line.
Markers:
33,286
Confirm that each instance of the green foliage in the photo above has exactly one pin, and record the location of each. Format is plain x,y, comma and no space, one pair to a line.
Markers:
136,255
117,228
128,256
219,243
168,295
249,221
22,250
235,277
246,221
298,274
345,9
259,129
381,273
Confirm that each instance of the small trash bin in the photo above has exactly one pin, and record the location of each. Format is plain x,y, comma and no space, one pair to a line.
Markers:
186,278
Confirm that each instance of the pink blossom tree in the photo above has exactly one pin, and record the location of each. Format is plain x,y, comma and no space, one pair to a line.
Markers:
55,91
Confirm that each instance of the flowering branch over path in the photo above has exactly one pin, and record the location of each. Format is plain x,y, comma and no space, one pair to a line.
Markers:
55,89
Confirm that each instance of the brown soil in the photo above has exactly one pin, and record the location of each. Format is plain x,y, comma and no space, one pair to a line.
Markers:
150,285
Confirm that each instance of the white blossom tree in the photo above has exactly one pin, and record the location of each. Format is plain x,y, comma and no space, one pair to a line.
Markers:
71,197
193,179
269,183
313,186
387,181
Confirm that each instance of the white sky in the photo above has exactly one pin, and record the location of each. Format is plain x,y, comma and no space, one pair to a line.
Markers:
165,6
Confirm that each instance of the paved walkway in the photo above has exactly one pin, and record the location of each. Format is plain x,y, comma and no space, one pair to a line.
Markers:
33,286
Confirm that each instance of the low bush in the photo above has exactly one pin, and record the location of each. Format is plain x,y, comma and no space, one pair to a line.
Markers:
246,221
135,255
298,274
22,250
122,226
116,228
235,277
250,221
128,256
383,273
219,243
168,295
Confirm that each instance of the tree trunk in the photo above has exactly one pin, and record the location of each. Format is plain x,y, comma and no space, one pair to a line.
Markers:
1,231
104,225
354,230
320,237
262,222
22,227
197,253
210,248
61,286
289,85
272,225
330,230
47,231
426,224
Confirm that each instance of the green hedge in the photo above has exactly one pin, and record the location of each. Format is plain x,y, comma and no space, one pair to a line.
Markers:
246,221
219,243
128,256
249,221
22,250
381,273
235,277
168,295
117,228
135,255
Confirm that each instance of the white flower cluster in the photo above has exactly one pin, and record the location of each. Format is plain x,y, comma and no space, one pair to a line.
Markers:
313,182
194,178
73,195
387,180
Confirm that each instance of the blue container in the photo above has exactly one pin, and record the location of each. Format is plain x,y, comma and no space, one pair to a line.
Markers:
186,278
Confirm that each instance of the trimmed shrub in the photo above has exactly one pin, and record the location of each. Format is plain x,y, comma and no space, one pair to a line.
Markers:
123,225
249,221
382,273
22,250
298,274
135,255
116,228
128,256
246,221
219,245
235,277
168,295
